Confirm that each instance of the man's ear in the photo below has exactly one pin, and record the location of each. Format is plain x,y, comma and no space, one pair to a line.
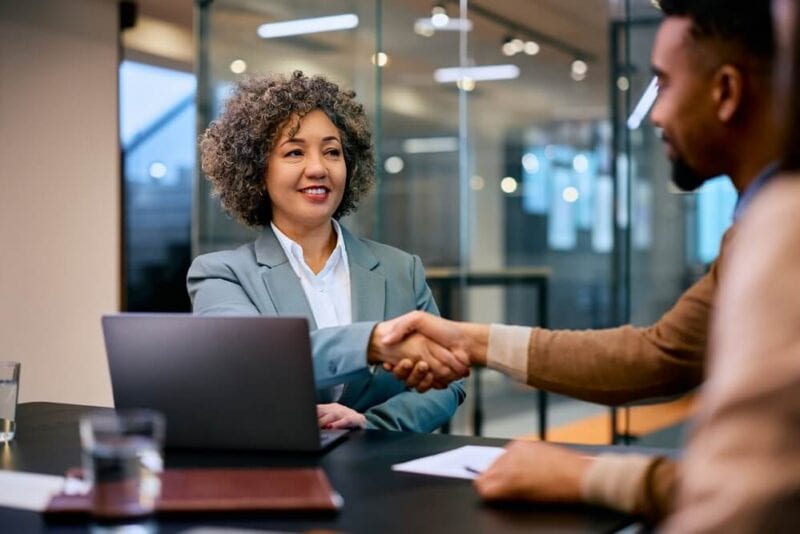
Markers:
728,92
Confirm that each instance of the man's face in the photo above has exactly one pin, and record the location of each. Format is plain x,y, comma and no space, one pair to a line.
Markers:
685,108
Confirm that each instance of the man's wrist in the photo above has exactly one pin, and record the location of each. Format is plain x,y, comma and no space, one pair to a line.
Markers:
476,341
507,350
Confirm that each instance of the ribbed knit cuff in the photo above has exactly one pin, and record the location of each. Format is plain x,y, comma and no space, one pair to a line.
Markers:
507,350
615,480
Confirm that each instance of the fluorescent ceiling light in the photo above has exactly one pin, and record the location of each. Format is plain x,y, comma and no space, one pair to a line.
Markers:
303,26
487,72
643,107
453,25
428,145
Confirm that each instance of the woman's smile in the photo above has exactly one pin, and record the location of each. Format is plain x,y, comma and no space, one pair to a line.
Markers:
316,193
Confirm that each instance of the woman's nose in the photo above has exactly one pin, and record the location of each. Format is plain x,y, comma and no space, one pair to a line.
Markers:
315,167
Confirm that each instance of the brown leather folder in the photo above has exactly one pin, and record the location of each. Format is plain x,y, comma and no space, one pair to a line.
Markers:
228,490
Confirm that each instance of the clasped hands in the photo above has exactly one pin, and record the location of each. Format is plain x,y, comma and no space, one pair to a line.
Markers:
422,350
427,352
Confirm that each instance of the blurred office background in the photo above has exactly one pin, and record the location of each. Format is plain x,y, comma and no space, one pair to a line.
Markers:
539,178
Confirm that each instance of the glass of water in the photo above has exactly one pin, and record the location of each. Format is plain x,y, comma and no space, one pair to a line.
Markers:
122,460
9,391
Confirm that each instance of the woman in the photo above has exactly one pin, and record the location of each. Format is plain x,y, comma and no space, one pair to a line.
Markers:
290,156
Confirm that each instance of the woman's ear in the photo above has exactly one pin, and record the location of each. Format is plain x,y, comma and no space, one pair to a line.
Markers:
728,92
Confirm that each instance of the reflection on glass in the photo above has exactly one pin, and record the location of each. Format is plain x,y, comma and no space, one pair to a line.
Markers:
157,122
715,203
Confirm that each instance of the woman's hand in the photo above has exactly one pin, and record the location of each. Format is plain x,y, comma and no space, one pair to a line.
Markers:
335,415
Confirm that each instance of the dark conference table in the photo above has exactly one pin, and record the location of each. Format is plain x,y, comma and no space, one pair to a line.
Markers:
377,500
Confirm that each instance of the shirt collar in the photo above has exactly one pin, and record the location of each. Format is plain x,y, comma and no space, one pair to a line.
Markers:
294,252
753,189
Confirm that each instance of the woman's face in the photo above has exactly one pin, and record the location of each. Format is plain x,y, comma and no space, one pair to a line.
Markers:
306,173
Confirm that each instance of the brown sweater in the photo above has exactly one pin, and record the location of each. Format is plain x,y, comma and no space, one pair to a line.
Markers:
741,470
627,363
619,365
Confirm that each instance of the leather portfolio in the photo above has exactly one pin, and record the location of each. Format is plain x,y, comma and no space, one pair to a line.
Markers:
228,490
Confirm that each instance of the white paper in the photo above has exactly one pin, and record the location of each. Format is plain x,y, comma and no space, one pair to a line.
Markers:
28,491
464,462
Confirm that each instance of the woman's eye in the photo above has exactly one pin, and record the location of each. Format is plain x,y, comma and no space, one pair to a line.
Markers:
335,152
295,153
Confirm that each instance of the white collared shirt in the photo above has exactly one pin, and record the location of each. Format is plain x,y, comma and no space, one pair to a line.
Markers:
328,292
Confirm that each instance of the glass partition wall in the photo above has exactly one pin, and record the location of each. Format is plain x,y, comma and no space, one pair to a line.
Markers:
524,191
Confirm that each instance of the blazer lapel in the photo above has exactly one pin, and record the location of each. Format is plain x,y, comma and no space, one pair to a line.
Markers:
367,284
283,285
367,299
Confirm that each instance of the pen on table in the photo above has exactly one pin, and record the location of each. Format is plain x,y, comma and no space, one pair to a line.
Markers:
472,470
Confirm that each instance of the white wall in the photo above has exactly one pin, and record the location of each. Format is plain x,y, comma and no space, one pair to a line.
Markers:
59,194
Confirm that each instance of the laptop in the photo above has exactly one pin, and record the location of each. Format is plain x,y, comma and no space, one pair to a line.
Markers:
222,382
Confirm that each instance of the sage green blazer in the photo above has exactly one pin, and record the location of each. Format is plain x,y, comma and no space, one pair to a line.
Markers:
257,279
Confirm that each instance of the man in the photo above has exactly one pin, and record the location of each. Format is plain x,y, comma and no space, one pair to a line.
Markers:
738,470
713,62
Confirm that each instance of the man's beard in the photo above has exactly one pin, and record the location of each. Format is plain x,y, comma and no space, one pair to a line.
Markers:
684,177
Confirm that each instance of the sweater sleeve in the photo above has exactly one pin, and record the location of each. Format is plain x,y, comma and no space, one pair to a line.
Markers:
740,470
627,363
632,483
616,365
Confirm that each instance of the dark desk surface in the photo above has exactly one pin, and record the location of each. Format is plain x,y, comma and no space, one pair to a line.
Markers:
377,500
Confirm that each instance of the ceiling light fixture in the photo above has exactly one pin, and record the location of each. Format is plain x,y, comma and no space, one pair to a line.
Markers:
430,145
467,84
508,185
531,48
507,47
393,164
439,17
426,27
238,66
579,68
380,59
483,73
288,28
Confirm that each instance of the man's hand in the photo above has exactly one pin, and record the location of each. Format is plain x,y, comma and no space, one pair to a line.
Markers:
534,471
445,333
336,415
441,367
468,342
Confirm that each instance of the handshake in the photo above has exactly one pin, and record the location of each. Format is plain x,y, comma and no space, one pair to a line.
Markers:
426,351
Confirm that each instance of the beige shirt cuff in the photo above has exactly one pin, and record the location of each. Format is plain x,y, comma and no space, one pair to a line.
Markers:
615,480
507,351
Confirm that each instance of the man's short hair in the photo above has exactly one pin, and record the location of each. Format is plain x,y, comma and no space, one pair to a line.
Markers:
746,24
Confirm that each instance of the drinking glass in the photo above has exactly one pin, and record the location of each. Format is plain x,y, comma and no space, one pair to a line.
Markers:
9,391
122,460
